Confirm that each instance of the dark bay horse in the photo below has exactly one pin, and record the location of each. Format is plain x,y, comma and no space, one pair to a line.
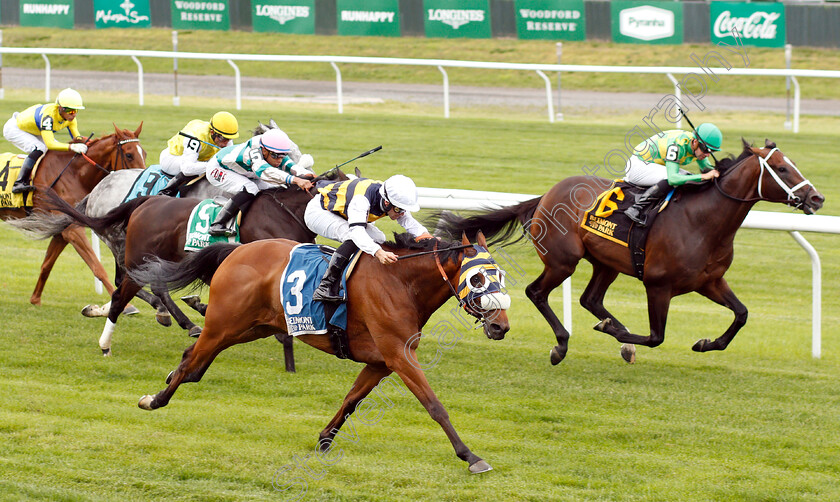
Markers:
387,308
156,226
689,247
72,177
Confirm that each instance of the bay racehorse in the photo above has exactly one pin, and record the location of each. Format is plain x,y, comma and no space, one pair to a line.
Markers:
156,226
72,176
689,247
386,310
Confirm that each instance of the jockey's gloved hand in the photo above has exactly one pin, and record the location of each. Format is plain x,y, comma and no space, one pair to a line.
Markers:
306,161
307,176
78,147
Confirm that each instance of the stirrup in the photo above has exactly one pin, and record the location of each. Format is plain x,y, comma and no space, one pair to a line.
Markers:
638,217
22,187
221,231
323,294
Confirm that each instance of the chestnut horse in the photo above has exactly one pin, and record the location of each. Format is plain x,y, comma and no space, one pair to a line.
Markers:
386,308
689,247
72,177
156,226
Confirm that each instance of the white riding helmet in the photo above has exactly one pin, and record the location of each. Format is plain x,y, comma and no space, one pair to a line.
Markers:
400,191
69,98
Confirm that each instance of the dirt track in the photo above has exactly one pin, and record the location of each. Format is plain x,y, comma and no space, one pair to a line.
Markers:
296,90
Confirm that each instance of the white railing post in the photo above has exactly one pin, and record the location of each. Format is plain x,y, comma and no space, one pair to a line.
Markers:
445,92
548,97
139,78
788,54
238,84
796,103
2,91
94,242
338,91
816,294
46,78
678,95
176,100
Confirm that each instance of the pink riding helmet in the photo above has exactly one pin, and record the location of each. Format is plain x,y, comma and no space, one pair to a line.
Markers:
276,140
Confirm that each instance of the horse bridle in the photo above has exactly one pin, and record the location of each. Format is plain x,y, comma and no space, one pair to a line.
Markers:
480,318
792,198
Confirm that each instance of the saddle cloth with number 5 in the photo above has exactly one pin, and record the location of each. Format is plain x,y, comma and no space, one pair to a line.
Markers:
307,264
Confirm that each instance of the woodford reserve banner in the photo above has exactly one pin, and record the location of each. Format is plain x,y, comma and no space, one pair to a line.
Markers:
47,13
647,23
457,18
550,19
368,18
200,15
761,25
121,13
283,16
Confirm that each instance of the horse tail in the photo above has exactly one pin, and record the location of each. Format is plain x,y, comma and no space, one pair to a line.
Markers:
45,225
498,226
200,266
116,217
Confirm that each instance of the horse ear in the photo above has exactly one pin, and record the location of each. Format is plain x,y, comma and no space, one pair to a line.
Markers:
745,143
480,239
137,131
358,173
116,129
769,144
464,239
273,124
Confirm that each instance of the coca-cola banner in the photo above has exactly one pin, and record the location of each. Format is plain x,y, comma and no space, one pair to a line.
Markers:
758,24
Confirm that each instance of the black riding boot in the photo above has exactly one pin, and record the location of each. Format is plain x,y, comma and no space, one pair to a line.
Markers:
328,290
636,212
22,181
171,189
220,226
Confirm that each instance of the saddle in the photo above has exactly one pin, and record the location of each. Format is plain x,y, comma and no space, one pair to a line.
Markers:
11,163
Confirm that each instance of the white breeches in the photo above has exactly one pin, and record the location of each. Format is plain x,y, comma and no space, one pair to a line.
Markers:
22,139
174,164
233,182
333,226
642,173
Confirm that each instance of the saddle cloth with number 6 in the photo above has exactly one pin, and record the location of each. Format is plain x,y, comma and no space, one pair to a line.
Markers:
307,264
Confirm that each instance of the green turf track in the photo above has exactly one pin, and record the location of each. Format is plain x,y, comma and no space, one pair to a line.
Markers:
756,422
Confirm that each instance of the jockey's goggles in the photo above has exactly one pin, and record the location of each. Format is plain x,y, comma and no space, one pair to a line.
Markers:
217,137
64,109
276,155
397,210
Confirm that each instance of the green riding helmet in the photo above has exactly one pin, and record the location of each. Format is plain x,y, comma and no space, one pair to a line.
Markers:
709,134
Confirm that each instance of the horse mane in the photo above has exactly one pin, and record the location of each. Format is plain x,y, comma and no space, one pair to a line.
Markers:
405,242
730,160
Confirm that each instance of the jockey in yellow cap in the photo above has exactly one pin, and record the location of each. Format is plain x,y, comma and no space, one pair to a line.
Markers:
187,152
33,131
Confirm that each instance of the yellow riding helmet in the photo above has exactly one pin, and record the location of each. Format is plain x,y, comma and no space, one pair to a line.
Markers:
225,124
68,98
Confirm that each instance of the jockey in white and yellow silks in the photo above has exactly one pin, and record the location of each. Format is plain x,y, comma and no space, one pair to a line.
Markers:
187,152
345,211
261,162
33,131
656,163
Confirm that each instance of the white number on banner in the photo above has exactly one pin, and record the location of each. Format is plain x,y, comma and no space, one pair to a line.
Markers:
299,278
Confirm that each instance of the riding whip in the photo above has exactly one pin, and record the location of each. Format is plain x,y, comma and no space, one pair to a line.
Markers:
697,134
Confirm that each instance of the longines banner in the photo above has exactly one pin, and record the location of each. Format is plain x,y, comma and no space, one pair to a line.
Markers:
550,19
121,13
761,25
647,23
200,15
370,17
457,18
283,16
47,13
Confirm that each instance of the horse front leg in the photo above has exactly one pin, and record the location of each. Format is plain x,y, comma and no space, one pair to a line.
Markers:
592,300
719,292
54,249
659,299
122,295
368,379
538,292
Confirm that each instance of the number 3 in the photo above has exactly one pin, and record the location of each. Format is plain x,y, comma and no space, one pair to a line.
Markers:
299,278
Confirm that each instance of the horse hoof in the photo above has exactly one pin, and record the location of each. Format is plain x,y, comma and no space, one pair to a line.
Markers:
700,346
479,467
130,310
195,331
602,326
164,319
91,310
169,377
192,301
145,403
557,356
106,352
628,352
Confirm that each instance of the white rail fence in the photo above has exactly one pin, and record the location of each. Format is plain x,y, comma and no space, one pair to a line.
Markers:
451,199
440,64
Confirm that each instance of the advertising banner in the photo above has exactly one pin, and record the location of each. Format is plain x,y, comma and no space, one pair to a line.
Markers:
457,18
200,15
283,16
550,19
122,14
758,24
647,23
368,18
47,13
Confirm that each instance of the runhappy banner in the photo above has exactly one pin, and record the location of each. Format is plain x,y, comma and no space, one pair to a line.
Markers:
122,13
47,13
200,15
283,16
368,18
457,18
758,24
550,19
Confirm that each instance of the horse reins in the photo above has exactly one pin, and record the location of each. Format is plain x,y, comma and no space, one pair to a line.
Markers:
765,166
93,162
